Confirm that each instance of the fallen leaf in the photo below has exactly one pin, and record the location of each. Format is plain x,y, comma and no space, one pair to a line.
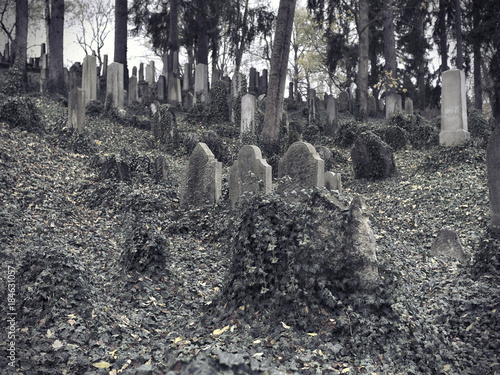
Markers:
101,364
285,326
218,332
57,344
312,334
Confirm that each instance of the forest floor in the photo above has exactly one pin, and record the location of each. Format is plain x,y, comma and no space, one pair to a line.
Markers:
78,310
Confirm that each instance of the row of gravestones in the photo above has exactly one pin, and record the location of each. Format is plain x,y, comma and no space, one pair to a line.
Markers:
301,168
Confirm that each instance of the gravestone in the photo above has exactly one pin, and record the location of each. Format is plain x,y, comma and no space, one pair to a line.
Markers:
89,78
216,75
161,86
249,173
133,91
114,84
151,73
453,109
331,112
311,103
344,101
134,71
381,105
372,105
44,73
188,101
409,106
201,83
263,83
188,77
333,181
300,168
174,92
372,157
252,82
248,106
448,244
393,104
105,66
493,166
141,72
202,180
290,91
76,109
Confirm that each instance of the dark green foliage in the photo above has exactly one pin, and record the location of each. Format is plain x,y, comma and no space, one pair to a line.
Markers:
94,108
422,133
394,136
12,84
487,256
214,143
405,121
477,124
442,158
287,258
347,132
52,278
145,248
197,115
21,112
227,130
219,107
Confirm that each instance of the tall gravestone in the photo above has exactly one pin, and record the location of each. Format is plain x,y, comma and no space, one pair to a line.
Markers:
133,93
151,73
114,84
252,82
201,83
188,77
372,105
202,181
250,173
453,109
493,164
248,106
344,101
311,103
76,109
290,91
161,87
331,112
393,104
409,106
263,82
300,168
89,78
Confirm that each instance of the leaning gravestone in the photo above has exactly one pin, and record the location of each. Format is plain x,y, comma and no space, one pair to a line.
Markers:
453,109
89,78
493,165
448,244
114,84
250,173
202,181
372,157
76,109
300,168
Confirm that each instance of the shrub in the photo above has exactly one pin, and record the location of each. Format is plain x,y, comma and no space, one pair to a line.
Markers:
164,125
425,136
219,107
477,124
394,136
21,112
410,123
348,132
94,108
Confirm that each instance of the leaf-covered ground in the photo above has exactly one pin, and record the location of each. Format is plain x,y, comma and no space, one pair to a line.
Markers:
82,308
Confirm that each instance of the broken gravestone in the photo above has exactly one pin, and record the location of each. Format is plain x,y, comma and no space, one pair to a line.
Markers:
448,244
372,157
333,181
250,173
202,179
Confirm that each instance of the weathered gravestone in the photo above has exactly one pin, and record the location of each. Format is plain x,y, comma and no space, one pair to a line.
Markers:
202,181
151,73
133,92
161,86
253,82
250,173
448,244
331,112
89,78
76,109
453,109
333,181
311,103
372,157
363,239
372,105
300,168
188,77
493,165
343,101
114,85
201,83
248,106
393,104
263,83
188,101
409,106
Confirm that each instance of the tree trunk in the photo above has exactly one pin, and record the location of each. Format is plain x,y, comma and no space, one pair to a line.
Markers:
364,45
443,40
21,40
240,48
56,44
478,87
389,48
121,35
173,43
201,22
458,25
277,77
420,58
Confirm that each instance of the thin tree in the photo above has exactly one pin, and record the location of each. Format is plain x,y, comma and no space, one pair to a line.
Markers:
277,77
121,36
389,47
364,45
458,30
56,43
21,41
